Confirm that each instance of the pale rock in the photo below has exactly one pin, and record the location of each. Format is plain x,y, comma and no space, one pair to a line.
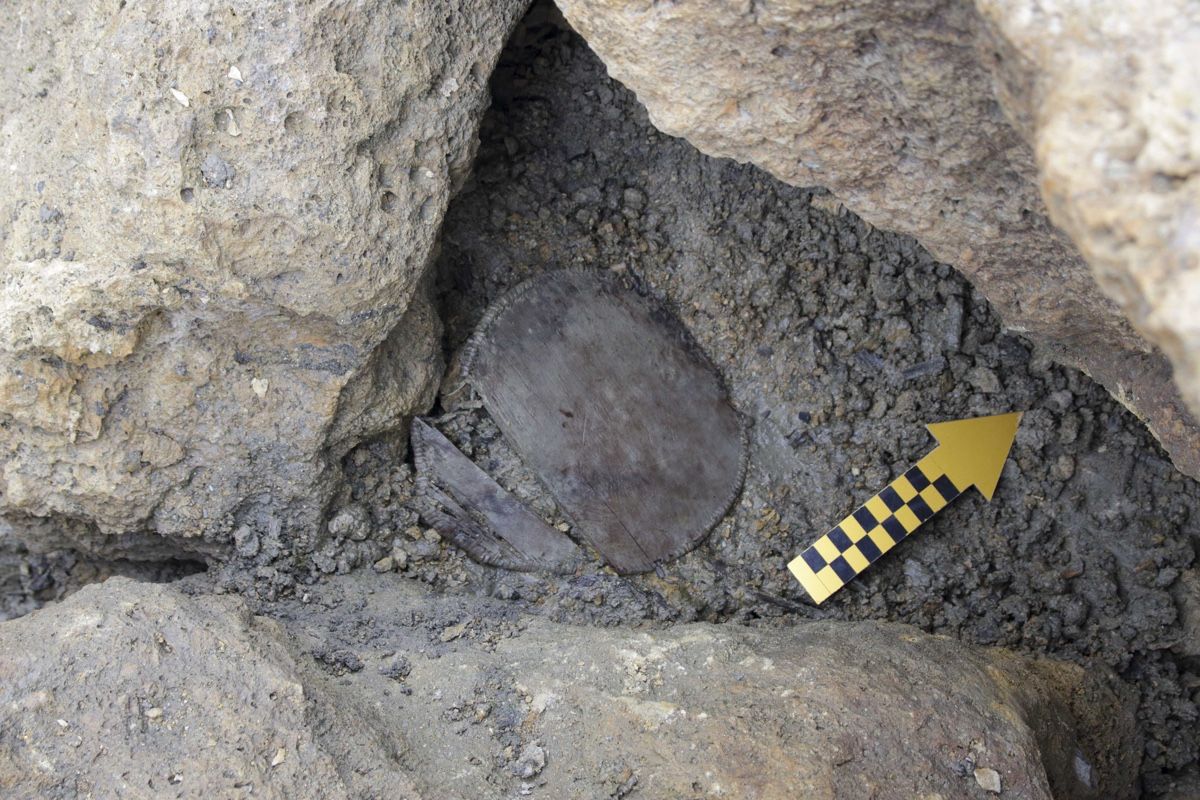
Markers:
988,779
245,692
351,522
206,231
656,702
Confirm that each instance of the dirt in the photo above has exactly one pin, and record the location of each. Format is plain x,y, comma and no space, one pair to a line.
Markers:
29,581
838,343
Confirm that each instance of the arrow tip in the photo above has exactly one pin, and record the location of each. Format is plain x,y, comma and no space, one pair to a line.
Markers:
973,451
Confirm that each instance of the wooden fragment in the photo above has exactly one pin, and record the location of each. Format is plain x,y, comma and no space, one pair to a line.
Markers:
465,505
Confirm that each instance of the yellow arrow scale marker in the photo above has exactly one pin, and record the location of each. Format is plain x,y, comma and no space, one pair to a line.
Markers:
970,452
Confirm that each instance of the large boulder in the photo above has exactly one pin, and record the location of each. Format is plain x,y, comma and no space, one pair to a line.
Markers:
214,223
368,686
135,690
941,120
374,688
1107,94
490,701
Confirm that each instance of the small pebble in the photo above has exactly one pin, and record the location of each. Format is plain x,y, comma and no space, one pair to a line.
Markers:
454,631
984,379
988,779
154,713
181,98
219,175
1083,770
280,757
399,557
531,762
397,669
351,523
1063,468
246,541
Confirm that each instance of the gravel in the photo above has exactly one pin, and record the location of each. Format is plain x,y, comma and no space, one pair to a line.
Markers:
838,342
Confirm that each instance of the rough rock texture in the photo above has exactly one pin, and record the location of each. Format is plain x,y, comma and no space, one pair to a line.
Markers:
1108,95
143,691
213,224
137,690
704,710
920,118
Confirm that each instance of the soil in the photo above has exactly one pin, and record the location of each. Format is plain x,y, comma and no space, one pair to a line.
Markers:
29,581
838,343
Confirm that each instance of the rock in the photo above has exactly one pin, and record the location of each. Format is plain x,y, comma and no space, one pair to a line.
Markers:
942,121
1107,97
812,710
245,541
212,290
228,706
817,709
531,761
218,175
397,668
988,779
1186,592
422,550
337,660
452,632
985,380
351,522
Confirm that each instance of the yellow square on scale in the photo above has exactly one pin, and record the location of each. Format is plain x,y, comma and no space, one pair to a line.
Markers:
828,577
881,539
852,529
808,579
904,488
933,498
857,561
908,519
826,548
877,507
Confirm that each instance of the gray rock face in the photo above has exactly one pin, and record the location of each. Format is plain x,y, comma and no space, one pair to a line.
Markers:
924,118
137,690
215,223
